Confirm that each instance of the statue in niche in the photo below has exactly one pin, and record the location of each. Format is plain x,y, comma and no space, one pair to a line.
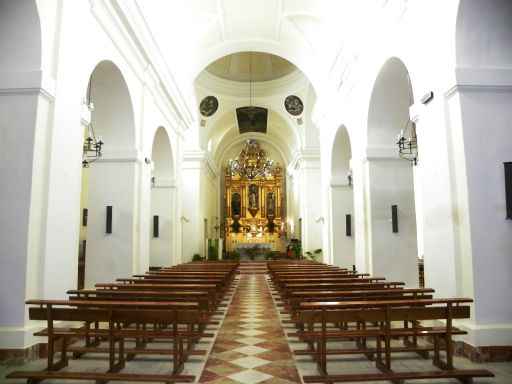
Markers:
253,196
235,205
271,204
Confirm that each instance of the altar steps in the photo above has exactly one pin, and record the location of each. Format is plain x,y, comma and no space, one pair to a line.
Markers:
252,267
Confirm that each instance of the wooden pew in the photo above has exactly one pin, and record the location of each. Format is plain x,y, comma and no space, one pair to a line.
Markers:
317,315
112,314
220,285
211,288
339,286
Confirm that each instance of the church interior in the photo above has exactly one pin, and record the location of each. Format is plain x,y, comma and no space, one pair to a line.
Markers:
231,140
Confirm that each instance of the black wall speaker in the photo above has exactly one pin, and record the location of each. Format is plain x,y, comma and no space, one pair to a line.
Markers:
348,225
508,188
155,226
394,218
109,219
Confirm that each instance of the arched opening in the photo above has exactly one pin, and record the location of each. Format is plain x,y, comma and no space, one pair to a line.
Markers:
341,200
162,213
111,189
390,203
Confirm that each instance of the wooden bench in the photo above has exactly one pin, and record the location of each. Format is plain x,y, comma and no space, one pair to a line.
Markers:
286,295
112,315
317,315
211,288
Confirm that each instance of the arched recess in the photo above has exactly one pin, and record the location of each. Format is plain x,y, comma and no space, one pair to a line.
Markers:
390,179
111,179
24,187
341,200
163,195
480,125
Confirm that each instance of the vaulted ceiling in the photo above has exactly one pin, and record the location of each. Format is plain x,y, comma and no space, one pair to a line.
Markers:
257,52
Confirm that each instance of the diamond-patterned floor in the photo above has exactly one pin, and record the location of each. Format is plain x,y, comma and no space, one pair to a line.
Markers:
251,346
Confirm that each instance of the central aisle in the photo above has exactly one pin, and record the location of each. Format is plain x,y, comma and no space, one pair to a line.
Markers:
251,346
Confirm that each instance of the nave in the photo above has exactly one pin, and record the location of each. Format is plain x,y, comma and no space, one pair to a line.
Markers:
251,342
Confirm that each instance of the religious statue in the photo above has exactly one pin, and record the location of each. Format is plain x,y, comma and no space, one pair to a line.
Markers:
253,196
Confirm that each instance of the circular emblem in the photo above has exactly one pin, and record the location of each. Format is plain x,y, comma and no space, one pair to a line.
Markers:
293,105
208,106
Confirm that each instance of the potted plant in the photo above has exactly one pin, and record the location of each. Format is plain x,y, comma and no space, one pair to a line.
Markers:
196,257
309,255
270,256
296,249
213,253
316,254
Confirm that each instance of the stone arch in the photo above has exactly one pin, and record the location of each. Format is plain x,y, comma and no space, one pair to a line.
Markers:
113,114
163,195
21,35
341,201
390,180
112,178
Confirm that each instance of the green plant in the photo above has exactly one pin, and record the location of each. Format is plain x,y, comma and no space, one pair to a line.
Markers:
234,255
235,226
252,251
309,255
213,253
196,257
270,256
296,248
317,253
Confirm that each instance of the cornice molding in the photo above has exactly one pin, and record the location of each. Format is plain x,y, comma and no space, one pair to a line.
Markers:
478,88
200,159
41,92
138,48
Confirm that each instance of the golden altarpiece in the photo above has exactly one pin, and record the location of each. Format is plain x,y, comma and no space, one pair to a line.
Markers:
254,202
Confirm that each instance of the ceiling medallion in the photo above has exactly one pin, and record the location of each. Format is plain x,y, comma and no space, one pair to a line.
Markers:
208,106
293,105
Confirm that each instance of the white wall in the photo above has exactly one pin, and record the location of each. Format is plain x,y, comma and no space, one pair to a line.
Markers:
342,203
110,255
161,206
393,255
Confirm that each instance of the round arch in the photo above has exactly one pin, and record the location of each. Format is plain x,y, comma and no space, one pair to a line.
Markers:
163,195
112,179
392,247
341,201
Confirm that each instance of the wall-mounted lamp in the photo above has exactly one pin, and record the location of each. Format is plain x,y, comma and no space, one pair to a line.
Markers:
319,219
91,149
408,148
350,178
185,219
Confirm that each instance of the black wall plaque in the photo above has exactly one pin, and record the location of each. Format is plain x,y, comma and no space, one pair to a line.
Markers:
394,217
109,219
508,188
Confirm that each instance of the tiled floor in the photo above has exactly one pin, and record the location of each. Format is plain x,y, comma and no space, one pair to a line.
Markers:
250,346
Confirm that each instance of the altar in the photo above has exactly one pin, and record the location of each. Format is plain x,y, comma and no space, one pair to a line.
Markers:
261,248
